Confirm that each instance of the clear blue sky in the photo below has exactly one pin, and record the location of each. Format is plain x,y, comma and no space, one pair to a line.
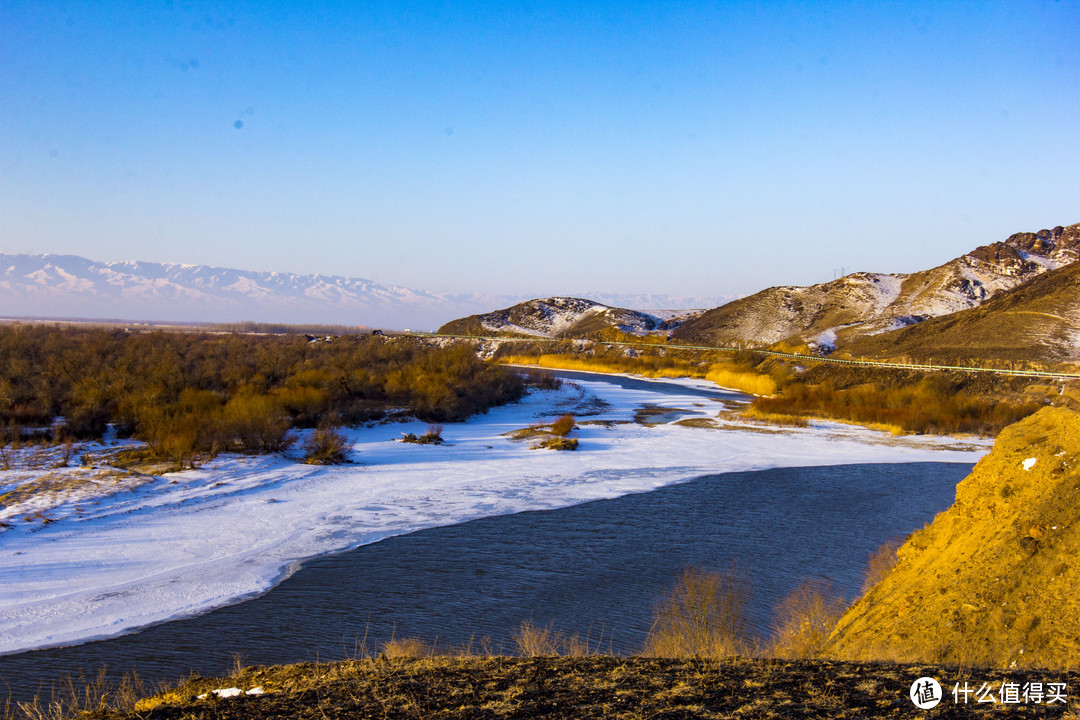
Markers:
669,147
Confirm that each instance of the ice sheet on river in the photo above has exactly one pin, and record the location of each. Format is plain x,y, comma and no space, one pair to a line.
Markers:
192,541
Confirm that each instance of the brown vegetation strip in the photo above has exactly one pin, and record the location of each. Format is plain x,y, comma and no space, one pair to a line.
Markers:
590,687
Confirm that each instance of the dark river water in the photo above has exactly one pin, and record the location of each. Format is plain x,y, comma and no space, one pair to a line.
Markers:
595,569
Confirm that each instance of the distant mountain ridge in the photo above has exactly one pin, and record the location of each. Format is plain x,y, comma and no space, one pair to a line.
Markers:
69,285
73,286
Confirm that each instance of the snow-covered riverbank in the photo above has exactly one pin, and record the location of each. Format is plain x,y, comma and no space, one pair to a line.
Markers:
179,545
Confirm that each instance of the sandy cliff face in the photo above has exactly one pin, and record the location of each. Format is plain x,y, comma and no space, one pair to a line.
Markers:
995,579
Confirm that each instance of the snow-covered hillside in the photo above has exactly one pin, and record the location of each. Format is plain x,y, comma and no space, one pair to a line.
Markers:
862,304
564,317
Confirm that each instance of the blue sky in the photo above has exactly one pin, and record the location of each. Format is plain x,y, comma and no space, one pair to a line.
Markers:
675,147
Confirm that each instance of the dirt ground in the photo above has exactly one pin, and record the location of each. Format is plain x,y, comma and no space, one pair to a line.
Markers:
607,687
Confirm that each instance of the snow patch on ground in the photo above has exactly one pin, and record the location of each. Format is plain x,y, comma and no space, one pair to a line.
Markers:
825,341
1047,262
111,559
888,288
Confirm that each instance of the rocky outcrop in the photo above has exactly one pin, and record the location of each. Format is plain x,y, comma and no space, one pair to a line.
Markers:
1036,321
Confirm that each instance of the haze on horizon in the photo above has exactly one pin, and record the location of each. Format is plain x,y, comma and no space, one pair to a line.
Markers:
705,149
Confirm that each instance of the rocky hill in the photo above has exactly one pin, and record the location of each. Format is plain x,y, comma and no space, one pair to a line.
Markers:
557,317
992,580
836,313
1037,320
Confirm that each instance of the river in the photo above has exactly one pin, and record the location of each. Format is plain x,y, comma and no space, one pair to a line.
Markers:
594,569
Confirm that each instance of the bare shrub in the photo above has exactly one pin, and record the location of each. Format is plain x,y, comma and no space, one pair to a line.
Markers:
701,615
804,620
535,641
326,446
880,563
257,423
67,449
406,648
563,426
543,380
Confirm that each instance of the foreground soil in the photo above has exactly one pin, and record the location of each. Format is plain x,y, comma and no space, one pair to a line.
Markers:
597,687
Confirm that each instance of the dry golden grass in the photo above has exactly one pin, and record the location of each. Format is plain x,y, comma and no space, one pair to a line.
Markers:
743,380
559,443
535,641
551,437
647,367
772,418
728,375
81,697
931,405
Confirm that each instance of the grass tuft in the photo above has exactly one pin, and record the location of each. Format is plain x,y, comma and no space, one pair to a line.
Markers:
559,443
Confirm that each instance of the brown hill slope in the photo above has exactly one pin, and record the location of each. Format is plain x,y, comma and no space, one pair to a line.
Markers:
861,304
1038,320
993,580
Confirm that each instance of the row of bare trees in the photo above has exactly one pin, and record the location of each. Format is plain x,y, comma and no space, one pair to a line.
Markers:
187,392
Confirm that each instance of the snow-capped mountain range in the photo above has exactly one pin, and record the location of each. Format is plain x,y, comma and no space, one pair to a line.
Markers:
70,286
